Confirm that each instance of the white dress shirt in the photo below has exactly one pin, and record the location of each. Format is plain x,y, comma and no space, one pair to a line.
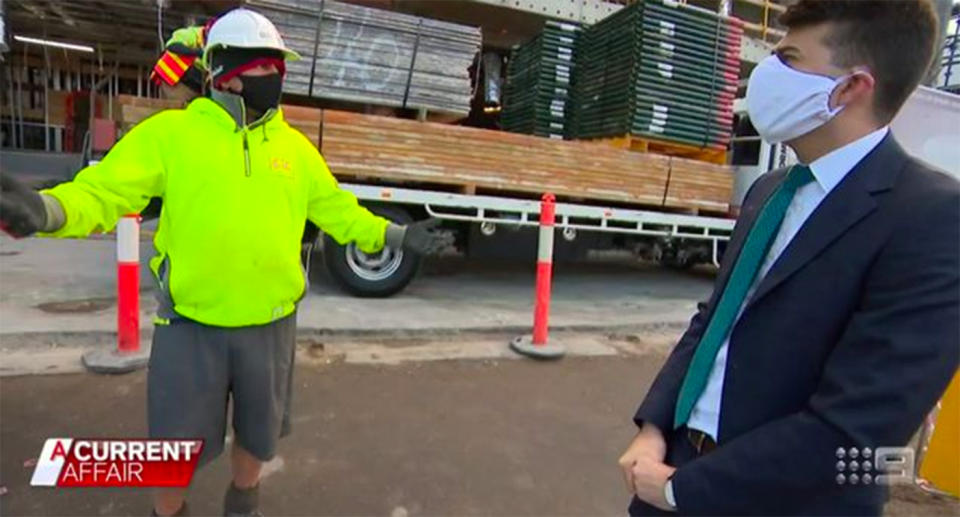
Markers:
828,171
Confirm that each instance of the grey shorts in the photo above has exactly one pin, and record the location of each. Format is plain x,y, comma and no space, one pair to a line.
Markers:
196,369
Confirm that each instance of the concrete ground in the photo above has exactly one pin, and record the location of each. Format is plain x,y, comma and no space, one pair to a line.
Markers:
69,286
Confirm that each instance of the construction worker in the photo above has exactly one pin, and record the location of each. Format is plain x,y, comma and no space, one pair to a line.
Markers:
179,70
238,183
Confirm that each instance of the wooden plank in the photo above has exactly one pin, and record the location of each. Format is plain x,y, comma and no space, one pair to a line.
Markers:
57,110
700,185
436,153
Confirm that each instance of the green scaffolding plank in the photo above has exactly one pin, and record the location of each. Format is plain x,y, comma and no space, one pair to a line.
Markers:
670,26
725,48
645,118
671,105
674,113
693,15
654,46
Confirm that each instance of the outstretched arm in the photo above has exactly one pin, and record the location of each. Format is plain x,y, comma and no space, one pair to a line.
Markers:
122,183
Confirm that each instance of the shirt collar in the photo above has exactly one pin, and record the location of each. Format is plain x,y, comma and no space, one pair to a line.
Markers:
830,169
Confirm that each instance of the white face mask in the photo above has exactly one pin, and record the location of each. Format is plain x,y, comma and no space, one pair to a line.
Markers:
784,103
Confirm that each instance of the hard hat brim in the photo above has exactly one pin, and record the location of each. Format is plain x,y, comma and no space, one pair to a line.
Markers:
288,55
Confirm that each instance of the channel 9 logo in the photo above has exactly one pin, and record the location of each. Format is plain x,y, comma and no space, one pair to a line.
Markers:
885,466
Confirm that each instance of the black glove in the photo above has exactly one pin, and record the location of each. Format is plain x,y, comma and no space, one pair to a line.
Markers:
419,237
22,211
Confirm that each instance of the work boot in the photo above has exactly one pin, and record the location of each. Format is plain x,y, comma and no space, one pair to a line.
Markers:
182,512
242,502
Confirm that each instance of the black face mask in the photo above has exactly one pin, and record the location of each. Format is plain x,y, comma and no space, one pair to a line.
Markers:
262,93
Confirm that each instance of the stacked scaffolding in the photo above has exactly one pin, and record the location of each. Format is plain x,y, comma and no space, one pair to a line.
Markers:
371,56
538,92
658,70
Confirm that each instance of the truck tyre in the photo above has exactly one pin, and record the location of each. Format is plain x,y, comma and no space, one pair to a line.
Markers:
675,258
377,275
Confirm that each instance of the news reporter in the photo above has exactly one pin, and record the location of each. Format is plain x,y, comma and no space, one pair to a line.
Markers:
834,319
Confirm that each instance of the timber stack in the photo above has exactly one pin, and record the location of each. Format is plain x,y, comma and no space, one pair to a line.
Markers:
371,56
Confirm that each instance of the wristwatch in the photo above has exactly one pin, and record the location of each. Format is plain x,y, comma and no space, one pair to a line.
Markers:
668,494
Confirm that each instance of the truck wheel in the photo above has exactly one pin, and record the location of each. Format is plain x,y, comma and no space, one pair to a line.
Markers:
674,257
376,275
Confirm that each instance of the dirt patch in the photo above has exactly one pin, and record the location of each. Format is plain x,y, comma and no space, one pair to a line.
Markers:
77,306
316,353
911,501
659,340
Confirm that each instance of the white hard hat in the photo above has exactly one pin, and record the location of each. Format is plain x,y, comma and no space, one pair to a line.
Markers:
243,28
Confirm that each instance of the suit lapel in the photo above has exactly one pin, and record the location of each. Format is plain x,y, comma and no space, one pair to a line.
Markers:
835,215
848,203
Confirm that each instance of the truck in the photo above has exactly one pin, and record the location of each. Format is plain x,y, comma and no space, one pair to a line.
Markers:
486,185
503,225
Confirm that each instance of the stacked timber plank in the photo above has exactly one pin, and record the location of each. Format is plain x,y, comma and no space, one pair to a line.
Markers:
537,96
130,110
371,56
699,185
367,146
661,70
56,110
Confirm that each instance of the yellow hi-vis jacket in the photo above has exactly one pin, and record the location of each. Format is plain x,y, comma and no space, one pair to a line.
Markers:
235,201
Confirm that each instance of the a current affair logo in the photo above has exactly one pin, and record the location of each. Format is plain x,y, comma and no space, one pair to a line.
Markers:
79,462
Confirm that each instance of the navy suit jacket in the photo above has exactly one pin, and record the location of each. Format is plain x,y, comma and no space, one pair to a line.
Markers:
849,340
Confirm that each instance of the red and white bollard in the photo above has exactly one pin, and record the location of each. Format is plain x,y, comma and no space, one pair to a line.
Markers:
128,284
128,356
537,345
